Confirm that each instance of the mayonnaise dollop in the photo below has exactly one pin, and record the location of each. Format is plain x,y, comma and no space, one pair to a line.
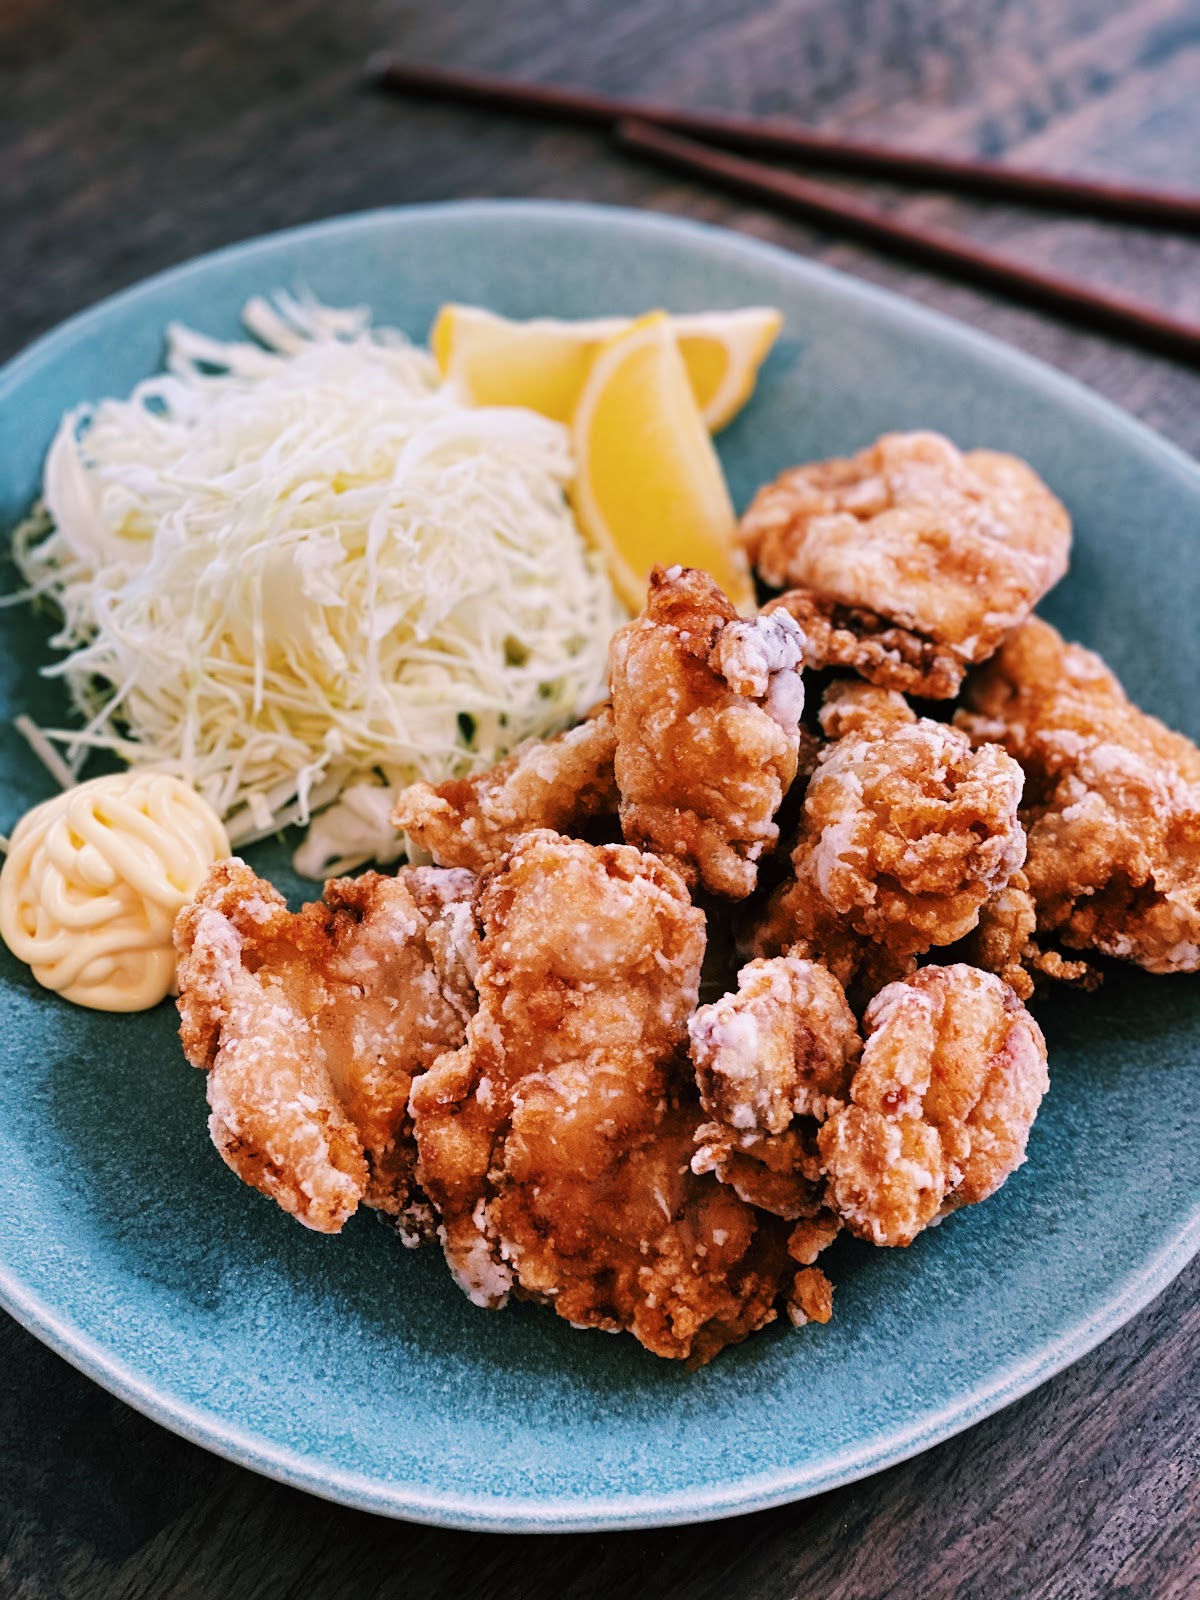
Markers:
93,881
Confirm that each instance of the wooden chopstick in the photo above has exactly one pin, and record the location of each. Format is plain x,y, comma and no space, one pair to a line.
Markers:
1132,319
1161,207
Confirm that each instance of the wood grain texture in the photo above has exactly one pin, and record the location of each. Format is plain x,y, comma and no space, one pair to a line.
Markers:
134,135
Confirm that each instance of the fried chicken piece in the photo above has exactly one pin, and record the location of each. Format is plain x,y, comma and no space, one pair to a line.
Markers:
906,832
557,1141
771,1060
914,559
783,1046
952,1074
707,707
793,919
858,639
1112,801
1003,942
312,1025
558,783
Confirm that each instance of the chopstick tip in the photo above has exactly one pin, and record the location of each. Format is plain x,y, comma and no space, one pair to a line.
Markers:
377,66
635,131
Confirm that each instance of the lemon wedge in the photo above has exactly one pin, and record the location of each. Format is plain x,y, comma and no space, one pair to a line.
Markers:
722,351
544,363
649,487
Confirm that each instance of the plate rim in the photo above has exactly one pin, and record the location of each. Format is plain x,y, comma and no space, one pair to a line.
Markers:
898,306
495,1514
539,1514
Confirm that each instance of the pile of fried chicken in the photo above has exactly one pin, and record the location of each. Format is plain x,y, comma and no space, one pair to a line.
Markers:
506,1051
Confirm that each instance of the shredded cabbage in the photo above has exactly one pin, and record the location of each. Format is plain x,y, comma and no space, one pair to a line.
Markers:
288,568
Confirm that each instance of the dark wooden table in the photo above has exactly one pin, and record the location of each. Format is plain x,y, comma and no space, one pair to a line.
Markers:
135,135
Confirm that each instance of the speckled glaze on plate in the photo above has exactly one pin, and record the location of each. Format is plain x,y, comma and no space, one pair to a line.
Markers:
355,1369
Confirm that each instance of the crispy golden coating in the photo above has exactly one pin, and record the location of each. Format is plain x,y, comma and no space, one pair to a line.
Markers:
781,1047
557,1141
1003,942
771,1061
558,783
850,707
707,708
952,1074
813,1234
915,559
616,1231
312,1025
795,920
906,832
1112,801
860,640
777,1172
810,1298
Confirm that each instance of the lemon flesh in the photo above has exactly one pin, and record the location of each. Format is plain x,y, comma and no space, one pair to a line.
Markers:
649,487
544,363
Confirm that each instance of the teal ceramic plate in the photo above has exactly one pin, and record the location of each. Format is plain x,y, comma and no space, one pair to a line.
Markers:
357,1370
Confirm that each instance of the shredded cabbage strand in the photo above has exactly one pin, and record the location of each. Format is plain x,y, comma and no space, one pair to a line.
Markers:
288,568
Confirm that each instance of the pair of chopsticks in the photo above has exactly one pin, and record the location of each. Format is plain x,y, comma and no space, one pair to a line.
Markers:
701,144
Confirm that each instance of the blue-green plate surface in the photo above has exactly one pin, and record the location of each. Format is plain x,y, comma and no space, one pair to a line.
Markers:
357,1370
